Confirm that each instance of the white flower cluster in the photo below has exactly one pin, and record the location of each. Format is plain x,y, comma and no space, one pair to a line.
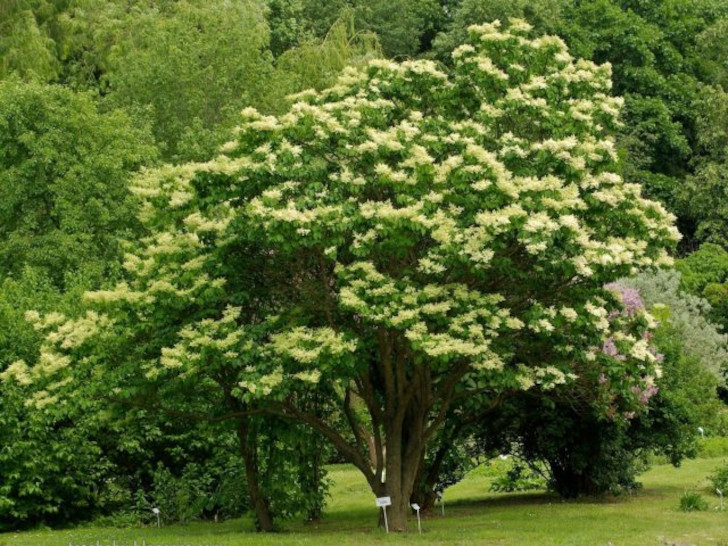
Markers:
306,345
74,333
472,319
546,377
17,371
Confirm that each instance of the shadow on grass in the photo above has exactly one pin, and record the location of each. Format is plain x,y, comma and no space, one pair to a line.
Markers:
536,498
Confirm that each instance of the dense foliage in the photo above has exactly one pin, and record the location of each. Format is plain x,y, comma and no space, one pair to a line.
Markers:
705,274
691,317
235,240
65,202
383,221
65,205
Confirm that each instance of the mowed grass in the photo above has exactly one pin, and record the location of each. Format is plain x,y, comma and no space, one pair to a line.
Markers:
473,515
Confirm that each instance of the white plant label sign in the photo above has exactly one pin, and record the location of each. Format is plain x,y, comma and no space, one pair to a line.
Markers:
384,501
416,507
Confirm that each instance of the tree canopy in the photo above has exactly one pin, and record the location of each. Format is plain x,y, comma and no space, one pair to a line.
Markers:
378,243
241,239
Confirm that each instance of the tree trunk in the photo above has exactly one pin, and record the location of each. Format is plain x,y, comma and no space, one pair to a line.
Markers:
420,489
315,512
397,513
406,421
427,475
428,503
424,490
248,449
398,483
404,452
570,483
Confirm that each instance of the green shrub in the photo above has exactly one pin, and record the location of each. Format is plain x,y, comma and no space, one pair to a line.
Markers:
719,424
196,492
716,446
719,478
693,502
518,477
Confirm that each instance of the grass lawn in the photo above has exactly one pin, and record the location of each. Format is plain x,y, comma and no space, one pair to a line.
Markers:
473,515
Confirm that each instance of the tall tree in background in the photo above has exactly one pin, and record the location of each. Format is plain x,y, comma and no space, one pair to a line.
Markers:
64,169
64,205
26,47
186,66
405,28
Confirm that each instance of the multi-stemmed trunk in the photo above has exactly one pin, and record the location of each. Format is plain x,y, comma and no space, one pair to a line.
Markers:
406,404
405,409
428,475
258,501
401,461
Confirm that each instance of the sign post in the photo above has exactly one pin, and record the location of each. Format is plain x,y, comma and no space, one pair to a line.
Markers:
383,502
416,508
159,519
442,501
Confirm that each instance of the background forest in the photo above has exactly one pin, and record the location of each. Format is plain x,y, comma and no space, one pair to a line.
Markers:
93,91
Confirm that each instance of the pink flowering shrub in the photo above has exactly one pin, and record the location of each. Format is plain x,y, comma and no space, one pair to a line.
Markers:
627,392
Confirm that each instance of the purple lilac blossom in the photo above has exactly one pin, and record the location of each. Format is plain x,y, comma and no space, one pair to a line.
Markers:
610,349
631,299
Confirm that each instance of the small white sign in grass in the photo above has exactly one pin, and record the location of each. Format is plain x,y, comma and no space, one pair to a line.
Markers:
416,508
383,502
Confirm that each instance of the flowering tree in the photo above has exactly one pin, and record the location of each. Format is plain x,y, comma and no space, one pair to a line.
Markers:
408,245
574,427
592,433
